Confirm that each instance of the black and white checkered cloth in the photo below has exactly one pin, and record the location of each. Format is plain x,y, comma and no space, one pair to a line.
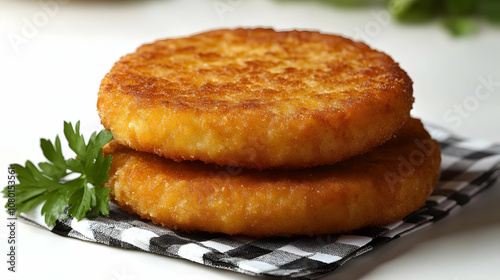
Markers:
468,166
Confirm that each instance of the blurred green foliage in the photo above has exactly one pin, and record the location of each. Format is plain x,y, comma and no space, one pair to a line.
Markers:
460,17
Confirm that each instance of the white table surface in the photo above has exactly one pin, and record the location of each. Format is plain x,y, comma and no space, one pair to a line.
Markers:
54,56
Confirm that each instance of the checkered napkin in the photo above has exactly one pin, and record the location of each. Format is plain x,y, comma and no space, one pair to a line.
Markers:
468,166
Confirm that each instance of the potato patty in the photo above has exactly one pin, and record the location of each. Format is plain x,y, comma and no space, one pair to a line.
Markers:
379,187
255,98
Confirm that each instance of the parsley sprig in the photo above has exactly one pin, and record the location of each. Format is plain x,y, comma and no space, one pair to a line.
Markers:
51,182
460,17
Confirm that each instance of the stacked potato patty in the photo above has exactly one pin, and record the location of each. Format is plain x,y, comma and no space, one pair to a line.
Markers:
265,133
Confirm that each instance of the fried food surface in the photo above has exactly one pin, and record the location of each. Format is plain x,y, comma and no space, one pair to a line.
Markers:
255,98
376,188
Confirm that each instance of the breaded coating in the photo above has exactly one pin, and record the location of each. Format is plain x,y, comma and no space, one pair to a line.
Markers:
379,187
255,98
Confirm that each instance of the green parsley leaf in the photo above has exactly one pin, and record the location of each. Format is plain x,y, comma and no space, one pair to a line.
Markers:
412,11
460,26
489,9
82,197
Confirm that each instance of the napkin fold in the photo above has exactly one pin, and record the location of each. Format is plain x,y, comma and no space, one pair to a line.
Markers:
468,166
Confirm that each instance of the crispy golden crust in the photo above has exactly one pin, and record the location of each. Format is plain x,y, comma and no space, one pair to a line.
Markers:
376,188
255,98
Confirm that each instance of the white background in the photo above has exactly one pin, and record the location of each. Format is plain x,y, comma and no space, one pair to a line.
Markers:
53,56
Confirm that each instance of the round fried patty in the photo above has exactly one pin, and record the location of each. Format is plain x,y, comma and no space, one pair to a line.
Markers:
255,98
379,187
